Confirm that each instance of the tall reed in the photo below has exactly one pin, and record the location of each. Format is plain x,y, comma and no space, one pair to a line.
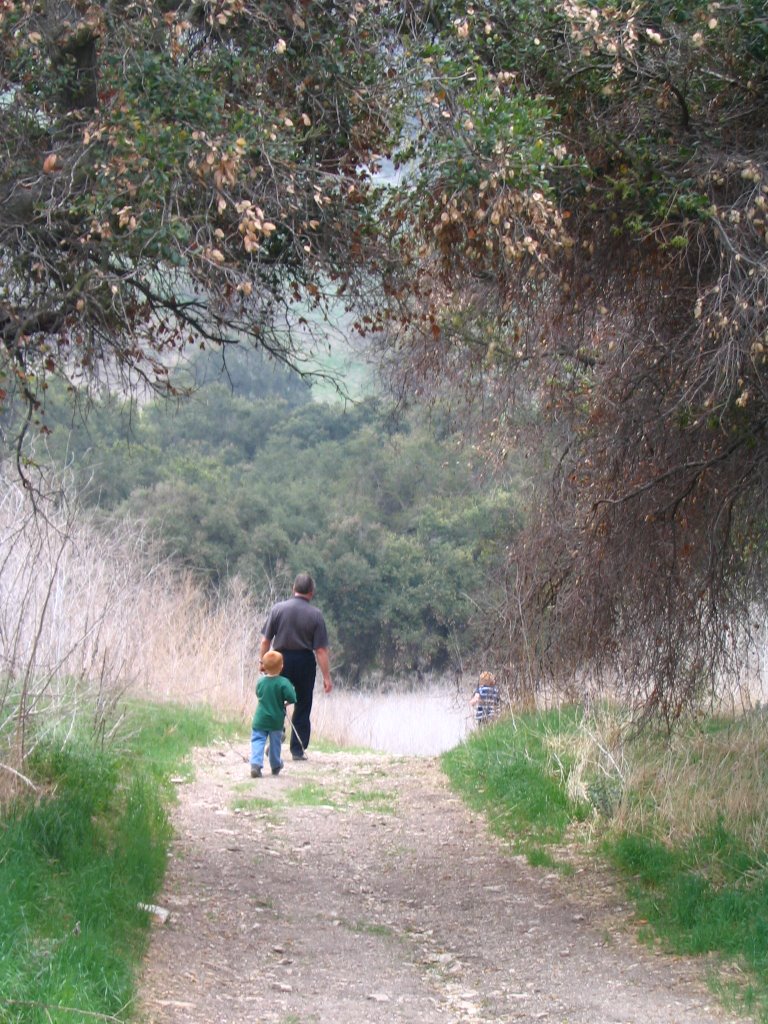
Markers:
90,614
673,785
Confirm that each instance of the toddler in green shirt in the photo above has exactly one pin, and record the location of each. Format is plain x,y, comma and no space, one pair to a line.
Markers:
273,692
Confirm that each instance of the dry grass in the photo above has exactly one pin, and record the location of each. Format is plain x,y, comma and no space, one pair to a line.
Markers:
88,616
701,775
196,649
675,785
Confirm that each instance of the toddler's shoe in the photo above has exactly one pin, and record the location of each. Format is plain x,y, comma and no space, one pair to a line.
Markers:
276,771
255,771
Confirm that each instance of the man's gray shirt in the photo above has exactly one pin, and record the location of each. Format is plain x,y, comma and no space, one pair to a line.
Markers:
295,625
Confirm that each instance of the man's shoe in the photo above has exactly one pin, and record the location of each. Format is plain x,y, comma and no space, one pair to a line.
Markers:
255,771
300,757
276,771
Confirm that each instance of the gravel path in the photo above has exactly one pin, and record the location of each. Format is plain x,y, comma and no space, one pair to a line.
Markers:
358,889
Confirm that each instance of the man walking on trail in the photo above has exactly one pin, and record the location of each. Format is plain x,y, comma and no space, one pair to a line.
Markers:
297,630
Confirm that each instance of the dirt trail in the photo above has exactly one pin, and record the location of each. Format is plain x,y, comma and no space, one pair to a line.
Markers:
385,900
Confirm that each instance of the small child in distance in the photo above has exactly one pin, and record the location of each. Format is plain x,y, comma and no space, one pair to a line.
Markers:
486,700
273,693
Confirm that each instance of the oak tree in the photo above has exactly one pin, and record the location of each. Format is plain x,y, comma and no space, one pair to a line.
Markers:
587,226
179,172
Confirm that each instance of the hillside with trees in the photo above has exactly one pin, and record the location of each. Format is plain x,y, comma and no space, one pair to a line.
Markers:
250,480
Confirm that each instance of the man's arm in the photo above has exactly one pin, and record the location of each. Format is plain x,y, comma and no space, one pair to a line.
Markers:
324,661
263,647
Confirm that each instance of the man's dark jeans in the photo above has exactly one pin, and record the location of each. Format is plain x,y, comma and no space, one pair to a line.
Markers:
300,667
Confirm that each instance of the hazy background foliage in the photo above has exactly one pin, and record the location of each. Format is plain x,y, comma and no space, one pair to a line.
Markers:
251,480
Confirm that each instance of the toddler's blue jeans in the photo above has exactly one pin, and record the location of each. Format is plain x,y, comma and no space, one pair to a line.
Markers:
259,739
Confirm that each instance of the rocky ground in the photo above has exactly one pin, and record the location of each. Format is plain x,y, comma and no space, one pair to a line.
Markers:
357,888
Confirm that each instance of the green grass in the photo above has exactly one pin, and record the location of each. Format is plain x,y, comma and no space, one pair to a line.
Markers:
508,771
382,931
538,857
160,736
310,794
690,841
75,864
708,896
254,803
377,801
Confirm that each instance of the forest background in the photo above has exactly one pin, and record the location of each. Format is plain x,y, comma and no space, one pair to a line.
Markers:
251,480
